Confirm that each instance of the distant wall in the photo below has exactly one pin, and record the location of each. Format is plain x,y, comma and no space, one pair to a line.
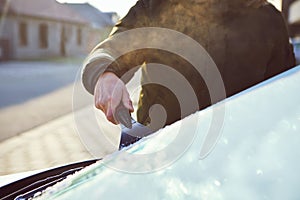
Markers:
6,38
95,36
59,38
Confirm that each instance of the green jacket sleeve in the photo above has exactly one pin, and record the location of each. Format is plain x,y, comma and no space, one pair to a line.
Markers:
107,56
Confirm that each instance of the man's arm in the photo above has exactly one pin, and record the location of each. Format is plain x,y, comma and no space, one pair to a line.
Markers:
106,64
103,56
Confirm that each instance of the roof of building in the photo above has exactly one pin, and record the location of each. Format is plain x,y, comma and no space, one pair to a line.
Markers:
49,9
90,13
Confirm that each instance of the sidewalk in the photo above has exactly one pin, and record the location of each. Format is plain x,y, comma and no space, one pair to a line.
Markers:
20,118
35,92
42,133
52,144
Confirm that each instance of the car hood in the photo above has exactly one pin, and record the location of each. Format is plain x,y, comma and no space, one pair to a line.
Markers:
255,154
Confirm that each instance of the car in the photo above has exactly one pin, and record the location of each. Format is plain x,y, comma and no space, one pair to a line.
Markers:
296,45
250,152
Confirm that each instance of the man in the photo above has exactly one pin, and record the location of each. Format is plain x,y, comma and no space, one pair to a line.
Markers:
247,39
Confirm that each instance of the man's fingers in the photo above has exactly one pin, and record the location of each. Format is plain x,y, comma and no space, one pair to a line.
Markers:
117,97
126,100
99,97
109,92
99,103
110,114
106,109
105,105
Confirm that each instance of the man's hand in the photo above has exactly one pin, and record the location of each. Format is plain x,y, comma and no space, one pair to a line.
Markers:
109,92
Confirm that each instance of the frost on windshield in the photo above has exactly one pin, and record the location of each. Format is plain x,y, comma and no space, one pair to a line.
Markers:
257,155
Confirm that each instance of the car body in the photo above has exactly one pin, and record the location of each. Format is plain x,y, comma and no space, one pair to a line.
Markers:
296,45
256,154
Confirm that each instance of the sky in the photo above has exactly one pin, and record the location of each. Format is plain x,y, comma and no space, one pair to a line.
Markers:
119,6
276,3
122,6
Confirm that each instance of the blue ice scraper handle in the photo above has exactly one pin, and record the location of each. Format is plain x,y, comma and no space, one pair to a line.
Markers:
132,131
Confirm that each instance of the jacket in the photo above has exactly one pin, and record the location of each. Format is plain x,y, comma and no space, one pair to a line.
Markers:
247,44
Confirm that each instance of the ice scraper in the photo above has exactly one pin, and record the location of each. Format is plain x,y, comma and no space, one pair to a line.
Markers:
132,131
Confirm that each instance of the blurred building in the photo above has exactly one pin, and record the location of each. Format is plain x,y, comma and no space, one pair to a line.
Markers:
31,29
100,23
291,10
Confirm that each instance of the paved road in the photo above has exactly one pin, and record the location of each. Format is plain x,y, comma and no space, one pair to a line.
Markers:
23,81
33,93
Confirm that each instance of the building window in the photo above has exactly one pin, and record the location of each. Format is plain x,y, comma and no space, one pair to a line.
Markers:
43,36
23,41
79,36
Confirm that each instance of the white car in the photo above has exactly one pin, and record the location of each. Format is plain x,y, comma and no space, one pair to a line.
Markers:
251,152
296,44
